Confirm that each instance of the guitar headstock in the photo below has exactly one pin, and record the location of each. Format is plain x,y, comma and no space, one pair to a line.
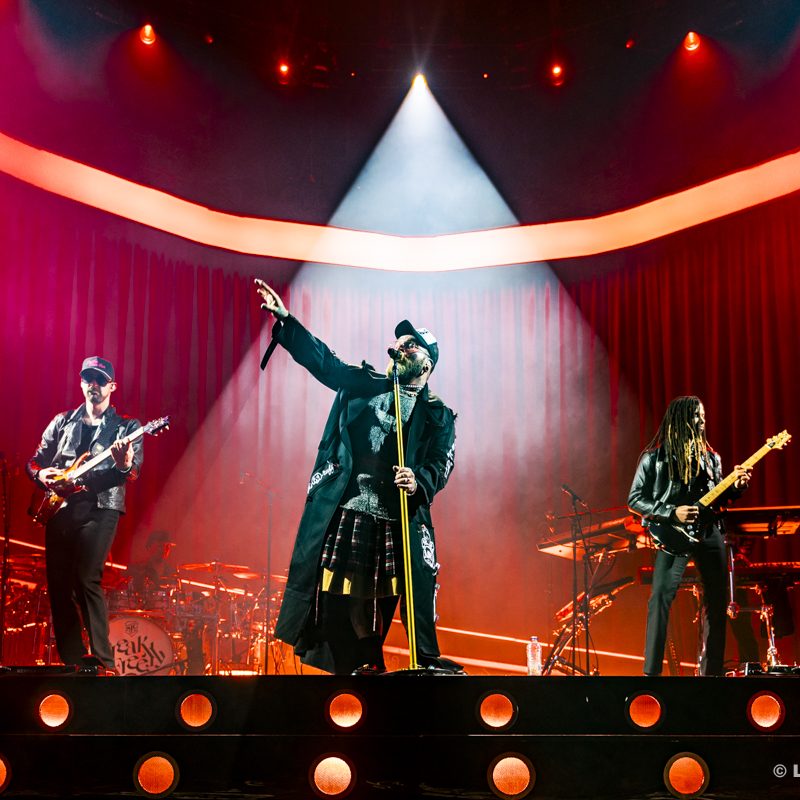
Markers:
780,440
156,426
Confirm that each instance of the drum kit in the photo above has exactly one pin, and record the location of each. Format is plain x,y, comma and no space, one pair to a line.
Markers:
209,618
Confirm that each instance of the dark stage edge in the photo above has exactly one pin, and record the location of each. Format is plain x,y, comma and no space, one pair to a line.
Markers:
420,736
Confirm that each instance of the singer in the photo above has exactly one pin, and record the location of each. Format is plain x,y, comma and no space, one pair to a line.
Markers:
346,572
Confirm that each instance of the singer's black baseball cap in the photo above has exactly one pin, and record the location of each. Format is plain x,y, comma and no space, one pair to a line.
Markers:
422,335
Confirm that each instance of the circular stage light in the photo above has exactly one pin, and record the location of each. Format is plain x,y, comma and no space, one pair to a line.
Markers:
644,710
5,773
147,34
55,710
332,776
766,711
511,776
497,711
345,710
156,774
691,41
686,776
196,710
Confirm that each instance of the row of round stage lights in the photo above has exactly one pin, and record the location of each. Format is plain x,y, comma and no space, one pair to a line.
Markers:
510,776
556,75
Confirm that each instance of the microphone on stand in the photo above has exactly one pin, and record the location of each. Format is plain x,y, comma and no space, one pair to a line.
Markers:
395,355
576,498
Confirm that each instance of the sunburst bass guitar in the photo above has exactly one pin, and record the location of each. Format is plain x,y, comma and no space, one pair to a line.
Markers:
677,538
47,504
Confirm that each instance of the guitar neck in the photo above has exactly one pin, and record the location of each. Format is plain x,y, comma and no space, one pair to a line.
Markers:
100,457
729,480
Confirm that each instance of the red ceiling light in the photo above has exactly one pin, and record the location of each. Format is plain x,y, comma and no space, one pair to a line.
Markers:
691,41
284,72
147,34
556,73
630,44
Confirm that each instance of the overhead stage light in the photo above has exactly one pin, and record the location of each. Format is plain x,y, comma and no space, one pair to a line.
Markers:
691,41
284,72
419,81
556,74
147,34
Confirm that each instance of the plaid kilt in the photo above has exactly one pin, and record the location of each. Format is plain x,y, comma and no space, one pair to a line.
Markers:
358,556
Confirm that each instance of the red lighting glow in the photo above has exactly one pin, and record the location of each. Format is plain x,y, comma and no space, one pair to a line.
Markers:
345,710
196,710
497,711
766,711
147,34
511,776
156,774
686,776
284,72
644,711
332,776
55,710
691,41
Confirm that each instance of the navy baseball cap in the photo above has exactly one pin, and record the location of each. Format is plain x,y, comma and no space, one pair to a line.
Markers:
422,335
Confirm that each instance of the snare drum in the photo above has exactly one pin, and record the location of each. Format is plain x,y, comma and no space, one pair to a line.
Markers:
142,646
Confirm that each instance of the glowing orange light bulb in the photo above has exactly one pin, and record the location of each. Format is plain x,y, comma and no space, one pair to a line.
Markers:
147,34
556,74
283,68
691,41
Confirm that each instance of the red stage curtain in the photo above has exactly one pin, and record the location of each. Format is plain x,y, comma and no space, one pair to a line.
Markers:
554,381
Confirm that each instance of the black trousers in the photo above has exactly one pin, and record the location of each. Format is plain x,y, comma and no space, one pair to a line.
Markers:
709,558
77,542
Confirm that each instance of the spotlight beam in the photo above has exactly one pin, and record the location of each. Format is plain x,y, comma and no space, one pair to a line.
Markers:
330,245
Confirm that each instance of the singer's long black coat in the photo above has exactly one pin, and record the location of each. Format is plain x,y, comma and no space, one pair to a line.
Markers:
429,452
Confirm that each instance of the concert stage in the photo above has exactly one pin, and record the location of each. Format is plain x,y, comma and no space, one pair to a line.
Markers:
415,736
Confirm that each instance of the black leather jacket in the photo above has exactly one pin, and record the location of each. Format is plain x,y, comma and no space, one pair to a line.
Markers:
654,497
59,444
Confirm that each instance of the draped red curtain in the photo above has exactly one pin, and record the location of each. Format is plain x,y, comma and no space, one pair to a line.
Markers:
558,377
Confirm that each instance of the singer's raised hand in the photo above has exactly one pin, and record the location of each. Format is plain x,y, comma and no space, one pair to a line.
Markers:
272,301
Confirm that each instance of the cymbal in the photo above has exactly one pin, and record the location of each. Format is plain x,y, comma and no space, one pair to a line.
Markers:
216,567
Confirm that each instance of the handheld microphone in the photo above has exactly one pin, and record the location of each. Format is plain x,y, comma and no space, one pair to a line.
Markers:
396,355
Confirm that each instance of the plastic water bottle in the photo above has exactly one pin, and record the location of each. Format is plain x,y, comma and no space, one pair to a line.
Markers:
534,650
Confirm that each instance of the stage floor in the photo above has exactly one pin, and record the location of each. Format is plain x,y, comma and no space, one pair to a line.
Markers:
399,736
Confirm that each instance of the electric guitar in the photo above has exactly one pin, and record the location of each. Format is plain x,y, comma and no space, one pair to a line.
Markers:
677,538
51,501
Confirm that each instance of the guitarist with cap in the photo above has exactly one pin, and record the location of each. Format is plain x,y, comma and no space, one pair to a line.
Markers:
676,469
78,536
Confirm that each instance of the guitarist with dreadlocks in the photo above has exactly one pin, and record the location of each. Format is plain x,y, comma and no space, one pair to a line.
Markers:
675,470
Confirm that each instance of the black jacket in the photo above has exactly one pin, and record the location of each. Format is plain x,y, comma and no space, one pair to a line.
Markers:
430,453
60,442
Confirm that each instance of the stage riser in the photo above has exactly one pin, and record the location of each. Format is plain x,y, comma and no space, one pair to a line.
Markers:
420,737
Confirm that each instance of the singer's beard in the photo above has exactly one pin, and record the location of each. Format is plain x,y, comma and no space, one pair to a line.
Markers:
407,369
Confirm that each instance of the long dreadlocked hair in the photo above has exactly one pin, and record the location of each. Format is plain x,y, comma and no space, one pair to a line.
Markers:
684,445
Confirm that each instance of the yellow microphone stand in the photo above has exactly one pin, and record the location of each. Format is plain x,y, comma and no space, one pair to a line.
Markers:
406,533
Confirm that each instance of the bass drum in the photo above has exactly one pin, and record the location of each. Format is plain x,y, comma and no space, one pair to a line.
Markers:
143,647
